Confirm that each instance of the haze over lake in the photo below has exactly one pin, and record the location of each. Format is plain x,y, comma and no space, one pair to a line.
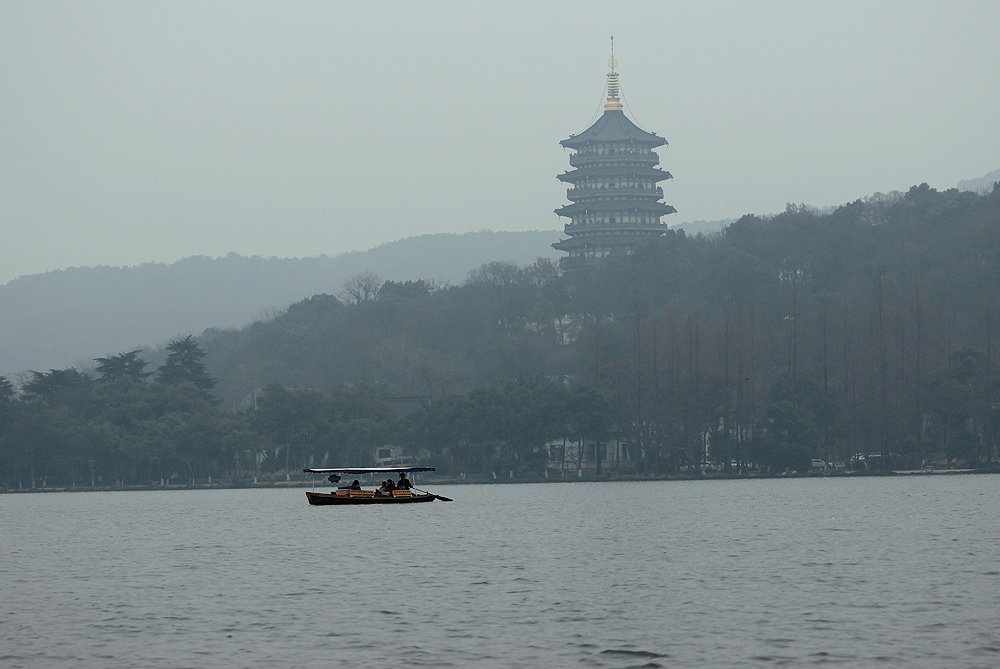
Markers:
799,572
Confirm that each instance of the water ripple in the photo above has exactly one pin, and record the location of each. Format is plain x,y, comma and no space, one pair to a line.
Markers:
852,572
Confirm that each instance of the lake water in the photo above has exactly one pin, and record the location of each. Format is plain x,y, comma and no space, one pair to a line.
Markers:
799,572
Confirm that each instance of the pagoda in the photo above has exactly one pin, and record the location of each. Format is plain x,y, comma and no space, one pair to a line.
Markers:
616,200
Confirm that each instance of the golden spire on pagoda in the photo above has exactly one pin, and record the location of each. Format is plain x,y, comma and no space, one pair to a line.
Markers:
613,101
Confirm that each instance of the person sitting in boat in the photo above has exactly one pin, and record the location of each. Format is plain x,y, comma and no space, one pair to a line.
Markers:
403,483
356,485
385,489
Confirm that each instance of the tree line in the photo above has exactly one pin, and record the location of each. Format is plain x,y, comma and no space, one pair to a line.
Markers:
66,428
864,335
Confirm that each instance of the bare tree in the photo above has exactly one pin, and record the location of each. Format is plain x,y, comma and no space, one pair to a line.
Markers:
362,288
501,285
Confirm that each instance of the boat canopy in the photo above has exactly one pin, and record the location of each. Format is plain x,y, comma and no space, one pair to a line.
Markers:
369,470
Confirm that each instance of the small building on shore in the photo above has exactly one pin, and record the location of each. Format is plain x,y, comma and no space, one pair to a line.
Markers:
587,457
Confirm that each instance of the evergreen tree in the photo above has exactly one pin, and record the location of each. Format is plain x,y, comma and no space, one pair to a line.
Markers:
58,387
7,395
124,365
184,365
6,392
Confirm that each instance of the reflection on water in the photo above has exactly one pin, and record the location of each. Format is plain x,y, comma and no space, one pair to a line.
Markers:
858,572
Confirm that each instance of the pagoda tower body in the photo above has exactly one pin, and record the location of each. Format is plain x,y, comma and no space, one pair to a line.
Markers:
616,200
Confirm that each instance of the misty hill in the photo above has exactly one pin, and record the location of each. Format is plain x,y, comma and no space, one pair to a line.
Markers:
984,182
694,228
70,316
922,266
867,330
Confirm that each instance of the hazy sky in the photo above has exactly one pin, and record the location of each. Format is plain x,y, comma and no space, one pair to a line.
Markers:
151,131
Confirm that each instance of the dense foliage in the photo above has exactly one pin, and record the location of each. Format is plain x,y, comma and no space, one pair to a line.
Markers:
865,331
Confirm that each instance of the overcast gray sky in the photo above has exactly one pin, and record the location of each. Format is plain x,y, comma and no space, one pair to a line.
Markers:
151,131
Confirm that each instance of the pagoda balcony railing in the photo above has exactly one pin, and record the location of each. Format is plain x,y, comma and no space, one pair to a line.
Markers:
602,192
581,158
614,152
615,228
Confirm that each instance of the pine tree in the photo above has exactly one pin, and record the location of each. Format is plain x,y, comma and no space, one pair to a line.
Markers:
128,365
184,365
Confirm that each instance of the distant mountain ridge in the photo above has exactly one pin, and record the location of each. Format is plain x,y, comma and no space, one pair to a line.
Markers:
68,317
695,228
983,182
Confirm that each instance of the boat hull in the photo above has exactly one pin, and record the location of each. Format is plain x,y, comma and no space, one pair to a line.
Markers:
329,499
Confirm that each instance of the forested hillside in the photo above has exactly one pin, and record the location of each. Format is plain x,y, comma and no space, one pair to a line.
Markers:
868,330
69,316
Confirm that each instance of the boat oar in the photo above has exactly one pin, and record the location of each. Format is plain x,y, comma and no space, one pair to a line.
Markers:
440,497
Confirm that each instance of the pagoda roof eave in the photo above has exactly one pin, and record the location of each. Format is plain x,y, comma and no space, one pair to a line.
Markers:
642,172
613,126
655,208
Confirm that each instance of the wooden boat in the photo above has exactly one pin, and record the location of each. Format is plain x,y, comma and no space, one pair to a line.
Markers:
353,497
347,495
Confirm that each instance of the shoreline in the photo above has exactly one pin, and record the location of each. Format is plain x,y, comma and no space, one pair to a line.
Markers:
483,479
